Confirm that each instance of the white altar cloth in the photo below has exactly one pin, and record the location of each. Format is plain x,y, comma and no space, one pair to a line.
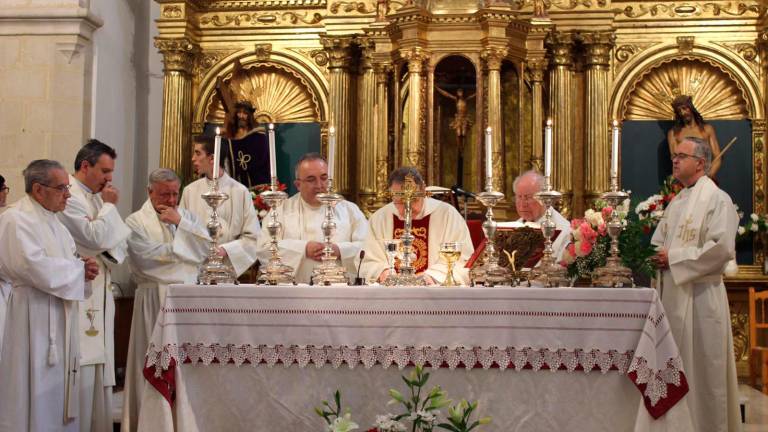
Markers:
260,358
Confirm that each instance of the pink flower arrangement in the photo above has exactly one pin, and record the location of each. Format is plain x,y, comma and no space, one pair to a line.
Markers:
583,238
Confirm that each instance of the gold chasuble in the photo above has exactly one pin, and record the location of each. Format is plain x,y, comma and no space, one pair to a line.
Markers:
420,231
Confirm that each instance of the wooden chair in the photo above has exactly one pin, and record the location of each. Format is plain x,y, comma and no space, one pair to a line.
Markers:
758,354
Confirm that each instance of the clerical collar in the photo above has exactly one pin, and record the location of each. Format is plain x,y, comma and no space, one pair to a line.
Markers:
694,183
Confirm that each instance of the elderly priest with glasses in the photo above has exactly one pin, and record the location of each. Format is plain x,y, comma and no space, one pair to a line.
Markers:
40,365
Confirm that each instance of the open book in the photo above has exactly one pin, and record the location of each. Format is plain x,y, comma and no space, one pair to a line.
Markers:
524,240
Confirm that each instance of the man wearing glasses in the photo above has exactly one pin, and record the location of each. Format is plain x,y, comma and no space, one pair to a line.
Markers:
4,189
39,367
93,220
695,240
301,244
526,186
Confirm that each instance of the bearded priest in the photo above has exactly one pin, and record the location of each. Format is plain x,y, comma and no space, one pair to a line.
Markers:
434,222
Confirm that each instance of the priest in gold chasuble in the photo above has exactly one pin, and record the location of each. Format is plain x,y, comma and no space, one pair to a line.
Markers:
434,222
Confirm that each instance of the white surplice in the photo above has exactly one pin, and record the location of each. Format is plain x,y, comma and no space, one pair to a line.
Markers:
99,232
239,222
445,225
5,293
699,230
303,223
161,254
40,363
562,240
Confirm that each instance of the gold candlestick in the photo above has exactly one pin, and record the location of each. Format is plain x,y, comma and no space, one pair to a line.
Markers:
407,275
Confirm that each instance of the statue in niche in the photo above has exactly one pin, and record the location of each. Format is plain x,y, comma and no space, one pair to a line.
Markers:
460,125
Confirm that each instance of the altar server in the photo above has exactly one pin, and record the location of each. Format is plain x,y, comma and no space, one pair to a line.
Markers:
530,210
41,355
92,218
695,240
301,244
166,246
434,222
239,222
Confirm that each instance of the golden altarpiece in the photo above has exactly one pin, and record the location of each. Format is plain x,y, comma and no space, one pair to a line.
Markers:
417,81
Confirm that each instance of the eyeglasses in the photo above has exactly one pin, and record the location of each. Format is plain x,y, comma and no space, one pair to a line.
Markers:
684,156
314,180
60,188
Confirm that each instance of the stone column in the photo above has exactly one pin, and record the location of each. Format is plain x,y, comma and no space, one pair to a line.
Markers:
537,67
561,105
341,92
178,55
414,154
597,164
366,133
493,58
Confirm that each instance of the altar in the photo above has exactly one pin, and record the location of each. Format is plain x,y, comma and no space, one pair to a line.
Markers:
261,358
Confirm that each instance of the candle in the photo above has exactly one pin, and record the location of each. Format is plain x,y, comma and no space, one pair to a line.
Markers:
217,154
548,149
331,150
272,155
488,154
615,151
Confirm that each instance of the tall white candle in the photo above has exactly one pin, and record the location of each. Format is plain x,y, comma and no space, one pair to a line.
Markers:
272,155
217,154
331,150
615,150
548,149
488,154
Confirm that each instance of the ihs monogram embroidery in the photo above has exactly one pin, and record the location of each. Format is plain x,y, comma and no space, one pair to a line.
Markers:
687,233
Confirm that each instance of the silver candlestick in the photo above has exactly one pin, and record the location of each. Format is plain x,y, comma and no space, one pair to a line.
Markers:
490,273
614,273
329,271
215,269
407,275
549,273
275,272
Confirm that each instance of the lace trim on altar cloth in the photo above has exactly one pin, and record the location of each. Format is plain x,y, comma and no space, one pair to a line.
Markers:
653,383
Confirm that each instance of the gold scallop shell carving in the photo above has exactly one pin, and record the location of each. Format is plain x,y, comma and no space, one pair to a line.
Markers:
716,95
278,93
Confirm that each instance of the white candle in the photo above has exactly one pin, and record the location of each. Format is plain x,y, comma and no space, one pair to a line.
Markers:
548,149
488,154
331,150
272,155
217,154
615,150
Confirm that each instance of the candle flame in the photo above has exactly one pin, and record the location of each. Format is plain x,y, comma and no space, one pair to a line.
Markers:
332,130
488,130
549,122
218,131
271,126
615,123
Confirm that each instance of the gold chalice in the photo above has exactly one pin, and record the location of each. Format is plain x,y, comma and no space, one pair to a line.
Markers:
450,252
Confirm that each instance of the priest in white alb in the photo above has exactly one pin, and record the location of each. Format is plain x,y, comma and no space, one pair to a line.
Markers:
434,223
240,228
92,218
301,244
695,240
39,368
531,211
166,246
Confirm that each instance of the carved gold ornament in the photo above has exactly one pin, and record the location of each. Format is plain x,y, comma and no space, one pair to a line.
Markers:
715,93
278,94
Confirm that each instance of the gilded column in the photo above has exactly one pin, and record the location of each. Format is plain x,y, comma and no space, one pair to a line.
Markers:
381,132
340,93
366,145
598,46
178,55
537,67
493,58
561,111
414,154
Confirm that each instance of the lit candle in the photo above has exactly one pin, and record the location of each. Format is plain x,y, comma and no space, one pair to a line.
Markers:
488,154
615,151
331,150
217,154
272,155
548,149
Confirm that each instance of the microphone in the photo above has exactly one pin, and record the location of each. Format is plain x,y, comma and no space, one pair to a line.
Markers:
459,191
358,279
